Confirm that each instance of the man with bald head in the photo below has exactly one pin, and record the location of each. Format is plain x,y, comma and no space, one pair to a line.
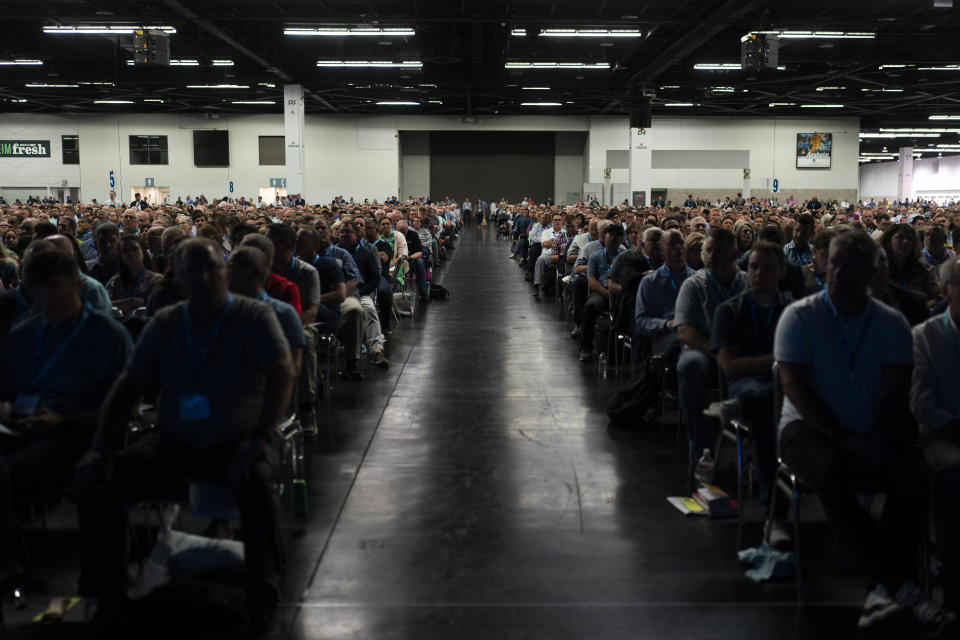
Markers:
90,290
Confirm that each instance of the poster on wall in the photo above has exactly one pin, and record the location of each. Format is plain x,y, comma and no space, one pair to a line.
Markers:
639,198
814,150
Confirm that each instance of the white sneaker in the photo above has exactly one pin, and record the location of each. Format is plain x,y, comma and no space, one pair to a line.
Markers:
933,619
878,607
725,410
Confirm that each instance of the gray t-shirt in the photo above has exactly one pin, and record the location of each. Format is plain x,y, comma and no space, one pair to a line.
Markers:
699,297
305,277
807,334
228,367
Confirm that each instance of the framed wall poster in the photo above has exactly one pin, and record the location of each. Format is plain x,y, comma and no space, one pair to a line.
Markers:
814,150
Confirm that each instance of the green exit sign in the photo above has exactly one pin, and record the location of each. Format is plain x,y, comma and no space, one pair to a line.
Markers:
278,182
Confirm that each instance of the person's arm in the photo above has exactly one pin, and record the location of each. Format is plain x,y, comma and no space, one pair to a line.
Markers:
335,296
308,314
694,338
736,366
350,286
614,286
643,317
925,402
796,380
594,285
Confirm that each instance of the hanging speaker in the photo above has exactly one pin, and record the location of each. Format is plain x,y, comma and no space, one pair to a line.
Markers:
642,115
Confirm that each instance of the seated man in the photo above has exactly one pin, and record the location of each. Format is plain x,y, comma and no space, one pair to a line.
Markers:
584,246
742,342
936,405
351,239
350,328
57,368
799,251
845,425
548,238
697,303
912,304
105,265
598,278
657,298
384,248
196,355
416,259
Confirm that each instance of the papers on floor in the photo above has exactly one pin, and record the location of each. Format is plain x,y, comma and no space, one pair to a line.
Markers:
707,501
687,506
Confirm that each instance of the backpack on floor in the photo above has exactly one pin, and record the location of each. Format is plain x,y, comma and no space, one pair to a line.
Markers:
634,398
438,292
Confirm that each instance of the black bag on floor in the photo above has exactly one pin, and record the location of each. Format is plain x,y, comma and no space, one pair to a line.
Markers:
634,398
438,292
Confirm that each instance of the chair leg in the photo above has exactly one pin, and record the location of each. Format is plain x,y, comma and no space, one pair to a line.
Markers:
796,537
740,516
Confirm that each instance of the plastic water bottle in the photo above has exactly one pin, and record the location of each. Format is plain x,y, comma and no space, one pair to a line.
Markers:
602,363
703,473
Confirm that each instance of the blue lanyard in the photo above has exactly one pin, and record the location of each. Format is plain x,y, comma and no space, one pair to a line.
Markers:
263,295
673,282
188,333
820,283
292,267
753,316
329,250
84,316
850,356
801,255
136,283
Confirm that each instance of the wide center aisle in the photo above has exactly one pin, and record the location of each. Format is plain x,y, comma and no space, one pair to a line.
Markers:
494,501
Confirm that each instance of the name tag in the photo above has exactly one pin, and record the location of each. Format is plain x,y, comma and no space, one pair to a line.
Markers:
194,407
26,404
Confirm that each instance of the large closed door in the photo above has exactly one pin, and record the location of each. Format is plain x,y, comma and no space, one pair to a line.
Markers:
492,165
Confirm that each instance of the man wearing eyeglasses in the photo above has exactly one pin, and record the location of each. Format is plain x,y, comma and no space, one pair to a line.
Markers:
128,222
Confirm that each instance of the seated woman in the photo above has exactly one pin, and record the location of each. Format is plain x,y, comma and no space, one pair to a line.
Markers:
135,279
907,268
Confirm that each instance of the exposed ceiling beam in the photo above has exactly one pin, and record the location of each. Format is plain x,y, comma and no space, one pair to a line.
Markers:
222,35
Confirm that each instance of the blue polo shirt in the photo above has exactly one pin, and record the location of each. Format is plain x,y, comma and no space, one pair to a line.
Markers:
599,265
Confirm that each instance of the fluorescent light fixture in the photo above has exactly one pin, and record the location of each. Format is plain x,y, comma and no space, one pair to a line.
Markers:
340,32
541,104
917,130
830,88
717,66
939,116
397,103
435,101
535,88
679,104
944,67
267,84
218,86
98,84
670,86
44,85
222,63
153,100
518,32
110,29
557,65
113,102
948,146
899,135
782,104
590,33
821,106
253,102
722,89
21,62
894,66
16,100
387,64
855,35
883,90
184,63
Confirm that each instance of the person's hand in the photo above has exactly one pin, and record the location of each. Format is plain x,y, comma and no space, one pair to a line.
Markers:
94,470
671,325
240,466
41,422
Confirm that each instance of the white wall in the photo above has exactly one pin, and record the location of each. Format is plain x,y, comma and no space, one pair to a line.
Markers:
771,143
34,175
414,164
933,178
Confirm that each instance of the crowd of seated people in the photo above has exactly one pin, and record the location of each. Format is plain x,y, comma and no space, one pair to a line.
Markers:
106,307
858,304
